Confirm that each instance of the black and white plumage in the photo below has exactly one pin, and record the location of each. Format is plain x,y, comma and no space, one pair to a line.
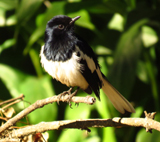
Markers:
70,60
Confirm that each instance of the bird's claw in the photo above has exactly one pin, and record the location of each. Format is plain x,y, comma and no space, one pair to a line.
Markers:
70,105
63,94
59,97
76,104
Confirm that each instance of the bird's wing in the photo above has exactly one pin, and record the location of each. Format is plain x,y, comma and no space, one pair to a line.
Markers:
89,66
97,80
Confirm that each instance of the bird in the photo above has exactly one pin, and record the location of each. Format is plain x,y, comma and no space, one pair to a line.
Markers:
68,58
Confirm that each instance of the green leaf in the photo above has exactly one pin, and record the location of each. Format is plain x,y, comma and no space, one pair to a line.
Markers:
12,20
151,71
36,89
116,22
72,135
12,79
142,72
80,112
149,36
8,43
129,47
36,61
93,138
80,136
2,17
139,112
24,13
102,50
33,88
8,4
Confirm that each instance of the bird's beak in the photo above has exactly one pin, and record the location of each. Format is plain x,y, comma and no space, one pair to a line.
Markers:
74,19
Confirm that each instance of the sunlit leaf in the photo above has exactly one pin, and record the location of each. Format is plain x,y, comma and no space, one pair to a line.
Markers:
12,20
72,135
101,50
2,17
12,79
142,72
92,139
149,36
116,22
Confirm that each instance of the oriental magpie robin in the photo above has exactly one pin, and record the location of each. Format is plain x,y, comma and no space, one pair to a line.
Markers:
69,59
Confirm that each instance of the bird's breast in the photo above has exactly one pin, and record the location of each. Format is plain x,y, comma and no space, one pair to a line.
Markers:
67,72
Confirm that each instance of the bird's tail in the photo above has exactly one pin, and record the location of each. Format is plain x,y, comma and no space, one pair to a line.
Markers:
118,101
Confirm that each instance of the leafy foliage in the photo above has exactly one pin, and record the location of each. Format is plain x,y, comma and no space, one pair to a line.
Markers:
124,34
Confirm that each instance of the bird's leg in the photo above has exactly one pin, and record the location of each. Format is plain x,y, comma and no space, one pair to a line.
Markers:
71,95
69,92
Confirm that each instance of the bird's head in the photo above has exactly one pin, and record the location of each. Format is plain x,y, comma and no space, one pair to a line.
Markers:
60,26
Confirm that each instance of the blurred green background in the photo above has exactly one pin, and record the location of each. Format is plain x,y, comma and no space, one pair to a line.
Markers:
125,35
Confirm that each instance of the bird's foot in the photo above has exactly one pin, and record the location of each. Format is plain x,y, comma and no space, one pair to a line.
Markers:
63,94
70,95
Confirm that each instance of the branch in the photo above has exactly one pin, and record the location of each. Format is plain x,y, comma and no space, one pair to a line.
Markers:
40,103
146,122
118,122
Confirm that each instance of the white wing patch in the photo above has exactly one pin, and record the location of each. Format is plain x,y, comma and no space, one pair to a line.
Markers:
90,63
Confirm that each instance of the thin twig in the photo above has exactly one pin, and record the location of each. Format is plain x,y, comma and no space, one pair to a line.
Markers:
11,100
12,103
3,118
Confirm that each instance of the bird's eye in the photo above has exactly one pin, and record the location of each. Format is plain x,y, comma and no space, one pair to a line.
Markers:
61,27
